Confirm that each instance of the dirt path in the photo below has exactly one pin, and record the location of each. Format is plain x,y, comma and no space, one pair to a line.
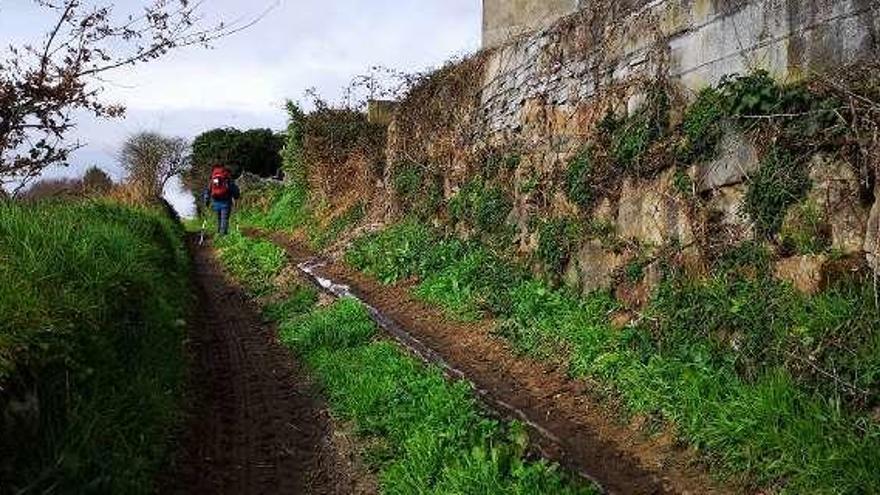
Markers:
577,430
255,426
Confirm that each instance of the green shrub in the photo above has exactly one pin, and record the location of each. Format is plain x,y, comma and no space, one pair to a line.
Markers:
702,125
800,116
558,238
579,179
634,135
93,301
481,206
780,182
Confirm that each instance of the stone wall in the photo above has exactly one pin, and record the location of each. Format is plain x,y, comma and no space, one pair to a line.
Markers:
543,94
505,19
696,42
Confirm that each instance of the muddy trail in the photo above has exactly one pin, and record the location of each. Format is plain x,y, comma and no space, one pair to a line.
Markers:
255,425
568,423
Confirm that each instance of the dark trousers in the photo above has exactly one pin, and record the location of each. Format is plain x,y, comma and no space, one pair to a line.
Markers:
223,220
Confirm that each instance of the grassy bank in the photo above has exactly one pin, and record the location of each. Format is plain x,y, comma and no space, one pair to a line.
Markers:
426,435
749,384
91,359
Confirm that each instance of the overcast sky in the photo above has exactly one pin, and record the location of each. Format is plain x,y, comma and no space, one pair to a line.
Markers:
244,80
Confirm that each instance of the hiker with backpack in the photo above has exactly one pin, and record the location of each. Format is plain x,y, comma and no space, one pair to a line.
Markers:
221,194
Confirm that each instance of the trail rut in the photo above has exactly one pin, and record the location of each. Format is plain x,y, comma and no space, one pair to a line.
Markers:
570,426
255,426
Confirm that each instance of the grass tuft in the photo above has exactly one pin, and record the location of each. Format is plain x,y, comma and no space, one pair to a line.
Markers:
93,303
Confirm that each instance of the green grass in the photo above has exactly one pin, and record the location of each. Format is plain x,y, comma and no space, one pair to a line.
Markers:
93,302
278,207
433,435
255,263
321,238
462,276
428,435
745,383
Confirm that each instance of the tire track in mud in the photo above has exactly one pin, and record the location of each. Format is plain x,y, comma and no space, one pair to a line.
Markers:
567,425
255,426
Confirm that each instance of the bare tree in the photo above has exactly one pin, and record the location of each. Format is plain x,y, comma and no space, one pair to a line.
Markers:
42,84
151,160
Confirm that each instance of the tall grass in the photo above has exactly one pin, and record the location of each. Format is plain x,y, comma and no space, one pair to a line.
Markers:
255,263
757,377
92,303
279,207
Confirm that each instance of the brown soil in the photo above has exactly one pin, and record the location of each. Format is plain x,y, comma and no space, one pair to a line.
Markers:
572,425
255,425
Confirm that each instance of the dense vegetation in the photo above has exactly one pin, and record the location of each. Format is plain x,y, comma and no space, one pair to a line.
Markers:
426,435
775,388
746,386
93,300
256,151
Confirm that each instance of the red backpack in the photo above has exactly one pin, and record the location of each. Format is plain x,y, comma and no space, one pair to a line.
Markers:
221,180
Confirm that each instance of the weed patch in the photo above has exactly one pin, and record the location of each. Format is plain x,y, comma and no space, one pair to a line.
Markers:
579,179
702,126
731,375
435,438
418,191
780,182
321,238
632,136
557,239
279,207
481,206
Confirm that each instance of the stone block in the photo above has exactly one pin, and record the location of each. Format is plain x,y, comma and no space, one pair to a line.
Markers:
651,211
737,159
595,267
872,234
836,191
805,273
726,205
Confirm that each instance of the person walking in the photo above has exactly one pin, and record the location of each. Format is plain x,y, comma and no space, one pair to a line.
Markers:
221,195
